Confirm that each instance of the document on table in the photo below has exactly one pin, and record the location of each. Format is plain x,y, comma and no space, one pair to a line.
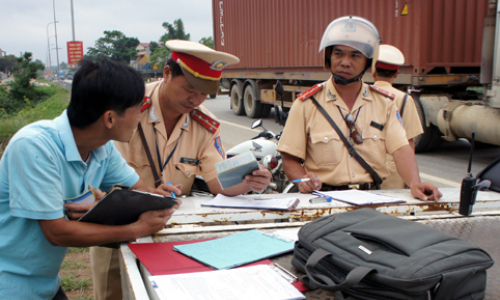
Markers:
357,197
256,282
257,202
236,249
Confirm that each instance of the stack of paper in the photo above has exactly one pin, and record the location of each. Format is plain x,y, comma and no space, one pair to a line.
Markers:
249,283
357,197
257,203
236,250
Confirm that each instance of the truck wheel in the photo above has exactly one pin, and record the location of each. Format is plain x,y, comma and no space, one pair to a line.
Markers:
253,107
431,138
236,101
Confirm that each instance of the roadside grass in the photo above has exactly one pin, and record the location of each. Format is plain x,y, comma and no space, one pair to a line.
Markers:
76,274
47,109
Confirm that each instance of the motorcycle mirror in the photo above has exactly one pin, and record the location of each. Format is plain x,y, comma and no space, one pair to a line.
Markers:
278,114
279,90
256,123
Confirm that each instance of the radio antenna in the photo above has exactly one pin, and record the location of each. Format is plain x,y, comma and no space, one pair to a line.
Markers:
469,169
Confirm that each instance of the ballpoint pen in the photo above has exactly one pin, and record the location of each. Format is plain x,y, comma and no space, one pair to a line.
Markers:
302,180
320,199
173,194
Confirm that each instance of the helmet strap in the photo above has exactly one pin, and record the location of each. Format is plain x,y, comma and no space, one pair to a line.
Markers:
341,80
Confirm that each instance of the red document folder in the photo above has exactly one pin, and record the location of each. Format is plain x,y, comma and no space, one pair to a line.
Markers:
162,259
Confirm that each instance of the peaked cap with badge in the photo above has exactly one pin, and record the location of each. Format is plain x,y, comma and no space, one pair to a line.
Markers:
390,58
201,65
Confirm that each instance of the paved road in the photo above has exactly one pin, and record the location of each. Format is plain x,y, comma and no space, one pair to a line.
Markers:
445,167
65,84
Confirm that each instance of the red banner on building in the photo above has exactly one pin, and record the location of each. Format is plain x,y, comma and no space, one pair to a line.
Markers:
75,52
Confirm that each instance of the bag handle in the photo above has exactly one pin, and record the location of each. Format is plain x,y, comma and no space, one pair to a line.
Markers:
311,277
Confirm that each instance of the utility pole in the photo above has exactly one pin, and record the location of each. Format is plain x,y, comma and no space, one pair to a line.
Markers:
73,20
48,43
55,29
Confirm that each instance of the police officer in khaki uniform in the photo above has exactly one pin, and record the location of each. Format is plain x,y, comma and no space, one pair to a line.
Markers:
369,119
183,139
387,66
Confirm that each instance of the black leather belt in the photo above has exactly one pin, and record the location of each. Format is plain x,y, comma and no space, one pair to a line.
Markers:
355,186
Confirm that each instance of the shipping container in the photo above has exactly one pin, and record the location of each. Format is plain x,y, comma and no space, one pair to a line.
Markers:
436,36
448,45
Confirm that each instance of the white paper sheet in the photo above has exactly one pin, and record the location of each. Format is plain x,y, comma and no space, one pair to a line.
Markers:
248,202
249,283
358,197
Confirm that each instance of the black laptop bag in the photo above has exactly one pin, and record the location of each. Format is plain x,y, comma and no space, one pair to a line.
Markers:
364,254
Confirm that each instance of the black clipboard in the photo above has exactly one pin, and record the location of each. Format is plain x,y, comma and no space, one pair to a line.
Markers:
121,206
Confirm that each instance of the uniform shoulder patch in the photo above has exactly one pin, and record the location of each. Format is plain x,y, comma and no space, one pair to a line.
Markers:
308,93
383,92
205,121
146,104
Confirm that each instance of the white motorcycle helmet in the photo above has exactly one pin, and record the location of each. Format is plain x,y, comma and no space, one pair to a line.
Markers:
350,31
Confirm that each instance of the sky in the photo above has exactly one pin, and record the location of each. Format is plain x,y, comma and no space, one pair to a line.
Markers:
24,23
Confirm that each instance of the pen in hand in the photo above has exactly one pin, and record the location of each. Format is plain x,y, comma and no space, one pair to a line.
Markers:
173,194
302,180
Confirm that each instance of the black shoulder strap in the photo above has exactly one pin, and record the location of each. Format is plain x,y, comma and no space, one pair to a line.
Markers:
148,154
376,178
403,105
156,176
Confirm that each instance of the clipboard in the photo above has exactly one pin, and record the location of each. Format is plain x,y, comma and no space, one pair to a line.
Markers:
121,206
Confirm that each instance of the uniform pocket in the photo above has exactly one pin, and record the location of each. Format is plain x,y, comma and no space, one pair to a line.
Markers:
373,133
374,139
325,148
187,170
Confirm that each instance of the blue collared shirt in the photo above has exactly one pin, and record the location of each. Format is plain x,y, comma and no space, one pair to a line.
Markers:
40,168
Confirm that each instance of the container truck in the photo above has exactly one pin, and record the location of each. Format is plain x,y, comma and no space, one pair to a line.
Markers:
452,66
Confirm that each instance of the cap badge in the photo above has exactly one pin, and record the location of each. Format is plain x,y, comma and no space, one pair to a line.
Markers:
218,65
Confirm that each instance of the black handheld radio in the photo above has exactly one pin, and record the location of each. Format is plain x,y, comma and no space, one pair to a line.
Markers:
468,191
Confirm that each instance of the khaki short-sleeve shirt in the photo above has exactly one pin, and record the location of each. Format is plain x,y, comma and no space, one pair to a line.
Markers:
198,149
411,120
308,135
413,128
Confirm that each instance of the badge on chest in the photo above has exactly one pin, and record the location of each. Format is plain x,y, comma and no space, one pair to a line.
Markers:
190,161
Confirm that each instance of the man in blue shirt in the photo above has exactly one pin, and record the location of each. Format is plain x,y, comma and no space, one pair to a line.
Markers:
50,161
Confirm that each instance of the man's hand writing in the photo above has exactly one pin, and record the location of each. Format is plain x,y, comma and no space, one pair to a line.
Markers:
307,187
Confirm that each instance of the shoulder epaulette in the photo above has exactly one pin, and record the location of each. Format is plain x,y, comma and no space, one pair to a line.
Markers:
308,93
383,92
205,121
146,104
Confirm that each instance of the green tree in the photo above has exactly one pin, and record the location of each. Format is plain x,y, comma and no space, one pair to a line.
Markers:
153,46
114,45
7,63
63,66
207,41
25,70
174,31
